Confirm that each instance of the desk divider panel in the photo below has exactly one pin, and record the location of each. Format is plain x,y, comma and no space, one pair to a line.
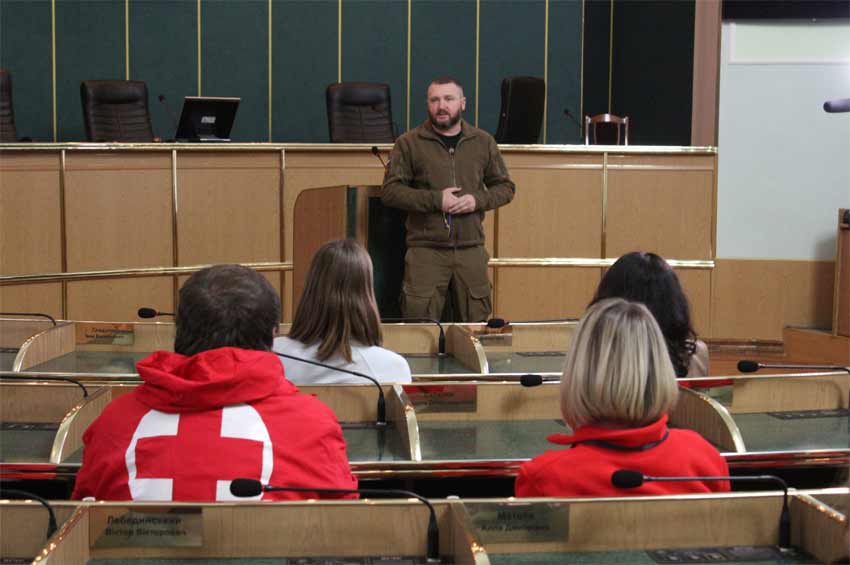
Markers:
465,347
45,346
24,525
69,437
819,528
15,331
783,393
34,402
701,413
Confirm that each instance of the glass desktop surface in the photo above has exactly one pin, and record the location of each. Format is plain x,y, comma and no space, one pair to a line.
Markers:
367,443
498,440
92,362
264,561
7,358
435,365
29,443
525,362
764,432
614,557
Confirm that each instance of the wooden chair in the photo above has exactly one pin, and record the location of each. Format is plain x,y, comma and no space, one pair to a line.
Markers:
616,122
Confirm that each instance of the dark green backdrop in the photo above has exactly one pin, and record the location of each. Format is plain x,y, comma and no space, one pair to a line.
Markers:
157,41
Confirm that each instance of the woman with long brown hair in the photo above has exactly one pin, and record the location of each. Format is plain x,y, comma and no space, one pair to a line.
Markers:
337,322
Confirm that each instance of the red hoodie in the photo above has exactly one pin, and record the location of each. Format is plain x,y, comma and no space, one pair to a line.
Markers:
196,423
585,469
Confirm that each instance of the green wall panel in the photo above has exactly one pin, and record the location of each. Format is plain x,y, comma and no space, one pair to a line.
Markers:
374,48
234,61
597,25
163,53
564,88
512,44
442,43
304,63
25,51
89,46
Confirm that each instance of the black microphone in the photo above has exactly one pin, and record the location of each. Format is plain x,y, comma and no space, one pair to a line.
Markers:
19,494
441,341
151,313
382,406
33,314
9,376
245,488
628,478
164,102
569,114
531,380
377,153
747,366
839,105
498,323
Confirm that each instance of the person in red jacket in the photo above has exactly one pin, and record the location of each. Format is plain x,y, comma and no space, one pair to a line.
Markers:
617,388
216,409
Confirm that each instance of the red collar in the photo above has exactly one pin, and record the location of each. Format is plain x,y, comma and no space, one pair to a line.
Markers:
630,437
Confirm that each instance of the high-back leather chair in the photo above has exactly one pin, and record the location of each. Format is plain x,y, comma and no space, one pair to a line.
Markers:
116,110
8,133
359,112
608,129
521,115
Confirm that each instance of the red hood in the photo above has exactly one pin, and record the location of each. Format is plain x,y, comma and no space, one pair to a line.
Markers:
211,379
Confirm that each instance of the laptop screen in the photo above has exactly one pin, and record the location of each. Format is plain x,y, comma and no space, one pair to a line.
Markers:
206,118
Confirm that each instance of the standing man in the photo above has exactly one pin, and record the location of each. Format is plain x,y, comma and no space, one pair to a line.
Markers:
446,173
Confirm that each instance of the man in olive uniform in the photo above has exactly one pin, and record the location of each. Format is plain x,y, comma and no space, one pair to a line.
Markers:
446,173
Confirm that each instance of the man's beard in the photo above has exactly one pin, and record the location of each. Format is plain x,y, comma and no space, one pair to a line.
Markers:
453,120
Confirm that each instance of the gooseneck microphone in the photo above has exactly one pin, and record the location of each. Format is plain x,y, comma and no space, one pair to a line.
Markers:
22,494
151,313
9,376
31,314
570,115
245,488
377,153
628,478
747,366
164,102
498,323
382,406
441,341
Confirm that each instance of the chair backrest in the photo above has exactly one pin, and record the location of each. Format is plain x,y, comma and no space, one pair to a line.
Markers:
521,115
8,133
610,123
116,110
359,112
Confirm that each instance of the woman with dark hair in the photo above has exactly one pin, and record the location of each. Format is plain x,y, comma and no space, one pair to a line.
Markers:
337,322
647,278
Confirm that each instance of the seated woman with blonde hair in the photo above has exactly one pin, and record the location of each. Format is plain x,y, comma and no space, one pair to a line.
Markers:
337,322
617,388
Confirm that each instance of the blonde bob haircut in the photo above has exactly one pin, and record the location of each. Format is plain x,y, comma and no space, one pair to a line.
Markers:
338,304
618,371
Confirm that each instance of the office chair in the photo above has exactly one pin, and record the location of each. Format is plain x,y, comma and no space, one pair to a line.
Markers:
359,112
521,114
116,110
607,129
8,133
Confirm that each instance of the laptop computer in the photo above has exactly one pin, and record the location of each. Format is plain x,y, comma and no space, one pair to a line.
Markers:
206,118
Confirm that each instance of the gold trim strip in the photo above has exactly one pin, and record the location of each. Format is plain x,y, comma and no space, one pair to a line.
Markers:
339,42
133,273
610,56
581,78
363,147
726,418
545,68
53,61
477,53
412,423
604,242
588,262
126,39
63,231
409,32
199,48
175,239
57,450
270,71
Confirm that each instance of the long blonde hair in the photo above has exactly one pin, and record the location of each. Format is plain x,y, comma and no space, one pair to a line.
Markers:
338,303
618,371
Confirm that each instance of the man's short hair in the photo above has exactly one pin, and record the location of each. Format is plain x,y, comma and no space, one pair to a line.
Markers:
226,306
447,80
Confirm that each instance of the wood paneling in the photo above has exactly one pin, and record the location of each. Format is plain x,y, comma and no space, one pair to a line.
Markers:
755,299
44,297
541,293
31,240
697,286
661,204
118,300
707,20
118,210
841,299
